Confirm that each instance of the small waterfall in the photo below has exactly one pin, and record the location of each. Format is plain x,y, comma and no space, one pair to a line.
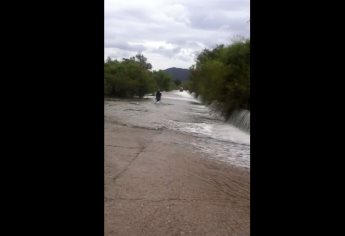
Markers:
241,120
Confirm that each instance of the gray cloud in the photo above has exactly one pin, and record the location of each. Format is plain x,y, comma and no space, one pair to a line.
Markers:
166,51
125,46
171,32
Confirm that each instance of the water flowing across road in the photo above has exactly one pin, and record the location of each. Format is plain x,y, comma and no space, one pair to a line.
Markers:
181,112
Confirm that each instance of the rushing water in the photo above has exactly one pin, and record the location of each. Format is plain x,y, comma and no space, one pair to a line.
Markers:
241,119
181,112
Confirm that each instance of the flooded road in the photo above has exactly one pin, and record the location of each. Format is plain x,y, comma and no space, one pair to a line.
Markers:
181,112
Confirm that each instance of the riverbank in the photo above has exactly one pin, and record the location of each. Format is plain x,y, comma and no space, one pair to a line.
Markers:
157,184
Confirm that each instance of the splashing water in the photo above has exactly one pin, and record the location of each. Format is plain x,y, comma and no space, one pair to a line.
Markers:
241,119
180,111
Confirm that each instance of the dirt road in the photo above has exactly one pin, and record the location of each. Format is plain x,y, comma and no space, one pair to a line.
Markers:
154,185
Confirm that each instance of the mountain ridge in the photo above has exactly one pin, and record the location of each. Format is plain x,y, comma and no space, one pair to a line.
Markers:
178,73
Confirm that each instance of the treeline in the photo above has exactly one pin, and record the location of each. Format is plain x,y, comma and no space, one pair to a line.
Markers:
133,78
221,77
183,84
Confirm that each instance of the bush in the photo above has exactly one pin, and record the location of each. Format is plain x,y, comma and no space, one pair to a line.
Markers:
128,78
222,75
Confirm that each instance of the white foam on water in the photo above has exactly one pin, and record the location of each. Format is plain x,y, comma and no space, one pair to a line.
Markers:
181,112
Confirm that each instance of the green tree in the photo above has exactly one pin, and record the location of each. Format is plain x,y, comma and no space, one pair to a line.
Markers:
163,80
177,83
128,78
222,75
143,61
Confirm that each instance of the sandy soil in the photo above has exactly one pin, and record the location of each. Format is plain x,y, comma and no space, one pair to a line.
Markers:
156,186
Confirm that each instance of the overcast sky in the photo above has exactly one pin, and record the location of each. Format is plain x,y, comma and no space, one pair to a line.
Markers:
170,33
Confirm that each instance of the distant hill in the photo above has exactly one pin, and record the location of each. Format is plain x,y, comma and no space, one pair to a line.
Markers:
178,73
